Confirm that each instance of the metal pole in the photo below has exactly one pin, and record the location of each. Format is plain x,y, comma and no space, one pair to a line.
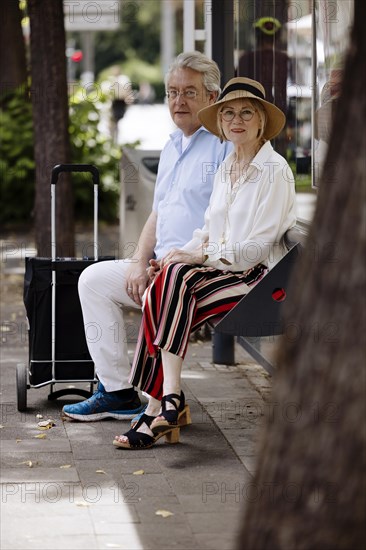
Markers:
223,349
167,35
208,27
188,25
314,94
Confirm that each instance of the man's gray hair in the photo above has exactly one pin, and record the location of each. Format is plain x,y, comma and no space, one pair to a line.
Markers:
202,64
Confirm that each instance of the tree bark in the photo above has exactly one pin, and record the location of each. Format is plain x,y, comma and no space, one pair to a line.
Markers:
309,488
50,116
13,67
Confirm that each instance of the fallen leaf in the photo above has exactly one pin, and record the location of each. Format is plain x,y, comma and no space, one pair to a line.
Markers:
18,440
164,513
139,473
28,462
100,472
46,424
65,466
40,436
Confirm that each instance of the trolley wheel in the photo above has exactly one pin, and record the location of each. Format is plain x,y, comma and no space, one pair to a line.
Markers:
22,376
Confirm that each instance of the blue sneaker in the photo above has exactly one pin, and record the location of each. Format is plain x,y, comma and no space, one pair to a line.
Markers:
104,404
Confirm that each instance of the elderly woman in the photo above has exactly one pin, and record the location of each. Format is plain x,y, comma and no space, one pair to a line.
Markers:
251,207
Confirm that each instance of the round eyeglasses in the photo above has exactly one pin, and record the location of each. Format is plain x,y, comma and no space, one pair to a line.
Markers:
245,114
187,94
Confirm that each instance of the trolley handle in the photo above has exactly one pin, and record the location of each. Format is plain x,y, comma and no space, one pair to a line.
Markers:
59,168
56,171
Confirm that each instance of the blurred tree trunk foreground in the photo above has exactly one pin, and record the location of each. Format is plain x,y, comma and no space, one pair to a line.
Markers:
13,67
50,116
309,488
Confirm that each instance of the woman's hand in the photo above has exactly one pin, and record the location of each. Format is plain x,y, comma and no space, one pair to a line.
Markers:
183,256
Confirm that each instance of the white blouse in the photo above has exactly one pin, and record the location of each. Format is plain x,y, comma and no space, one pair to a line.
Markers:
245,223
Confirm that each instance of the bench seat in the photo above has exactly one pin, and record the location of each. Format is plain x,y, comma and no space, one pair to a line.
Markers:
260,312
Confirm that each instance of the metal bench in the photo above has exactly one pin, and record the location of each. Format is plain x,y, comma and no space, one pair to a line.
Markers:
260,312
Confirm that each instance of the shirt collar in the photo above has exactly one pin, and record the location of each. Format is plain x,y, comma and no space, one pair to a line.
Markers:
259,158
176,136
263,153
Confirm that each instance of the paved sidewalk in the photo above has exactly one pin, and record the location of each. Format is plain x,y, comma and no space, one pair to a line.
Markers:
69,488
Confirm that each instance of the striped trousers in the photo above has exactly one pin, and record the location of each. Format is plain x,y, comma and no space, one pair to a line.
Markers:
181,299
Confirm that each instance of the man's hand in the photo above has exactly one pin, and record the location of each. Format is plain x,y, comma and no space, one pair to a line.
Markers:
137,280
154,269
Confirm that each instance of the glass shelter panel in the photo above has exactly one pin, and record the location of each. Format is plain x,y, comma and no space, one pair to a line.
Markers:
296,50
331,30
268,49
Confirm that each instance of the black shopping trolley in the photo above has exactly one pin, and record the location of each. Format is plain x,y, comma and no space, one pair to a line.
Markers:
58,351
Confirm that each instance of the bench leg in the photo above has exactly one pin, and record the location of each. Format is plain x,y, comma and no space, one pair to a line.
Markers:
253,347
223,349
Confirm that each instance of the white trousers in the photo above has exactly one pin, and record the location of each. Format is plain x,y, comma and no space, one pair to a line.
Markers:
102,291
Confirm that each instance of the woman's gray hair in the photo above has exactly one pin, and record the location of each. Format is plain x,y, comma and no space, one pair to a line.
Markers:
202,64
257,105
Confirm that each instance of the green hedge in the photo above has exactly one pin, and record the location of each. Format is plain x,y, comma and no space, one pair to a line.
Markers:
88,145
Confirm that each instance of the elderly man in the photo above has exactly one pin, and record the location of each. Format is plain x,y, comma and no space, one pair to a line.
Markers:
184,182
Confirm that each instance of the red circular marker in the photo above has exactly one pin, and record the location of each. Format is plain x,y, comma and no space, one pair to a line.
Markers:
279,294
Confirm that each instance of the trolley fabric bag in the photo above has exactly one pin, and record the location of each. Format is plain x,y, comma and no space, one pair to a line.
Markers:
58,350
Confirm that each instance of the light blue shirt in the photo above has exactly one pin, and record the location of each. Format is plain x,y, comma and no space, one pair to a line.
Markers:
184,185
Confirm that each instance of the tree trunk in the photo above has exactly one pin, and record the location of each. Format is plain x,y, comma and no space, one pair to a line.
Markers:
309,488
50,115
13,68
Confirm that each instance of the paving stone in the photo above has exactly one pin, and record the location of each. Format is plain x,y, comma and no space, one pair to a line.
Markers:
147,507
250,463
213,522
36,445
213,500
139,487
36,473
56,542
55,460
134,463
215,541
116,514
245,442
76,523
163,535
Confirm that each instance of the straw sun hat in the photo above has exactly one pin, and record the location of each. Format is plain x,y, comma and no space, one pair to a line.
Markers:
237,88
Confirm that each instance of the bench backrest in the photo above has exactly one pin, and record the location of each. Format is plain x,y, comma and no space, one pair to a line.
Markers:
259,313
296,235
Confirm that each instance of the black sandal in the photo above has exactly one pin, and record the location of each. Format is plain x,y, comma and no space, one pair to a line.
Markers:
172,418
139,440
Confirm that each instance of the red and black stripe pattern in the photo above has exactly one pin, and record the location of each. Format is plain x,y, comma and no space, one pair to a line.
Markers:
181,299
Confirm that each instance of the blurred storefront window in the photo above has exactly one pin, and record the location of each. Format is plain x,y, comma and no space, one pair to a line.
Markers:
296,49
